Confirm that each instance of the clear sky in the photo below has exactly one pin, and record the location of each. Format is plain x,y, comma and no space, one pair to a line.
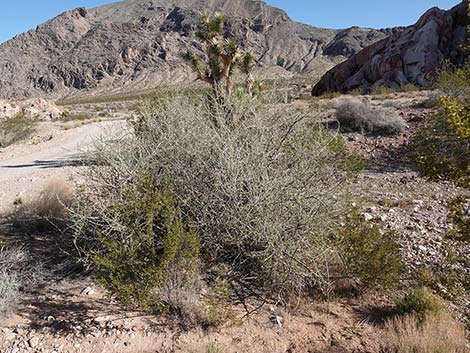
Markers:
17,16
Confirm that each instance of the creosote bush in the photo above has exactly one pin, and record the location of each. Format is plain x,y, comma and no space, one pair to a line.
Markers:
265,187
356,115
373,258
459,214
443,148
144,249
420,302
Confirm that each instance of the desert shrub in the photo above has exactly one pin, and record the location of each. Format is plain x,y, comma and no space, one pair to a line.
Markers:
143,248
459,214
69,116
48,211
443,149
358,116
13,275
217,305
372,257
441,154
421,302
438,333
265,186
15,129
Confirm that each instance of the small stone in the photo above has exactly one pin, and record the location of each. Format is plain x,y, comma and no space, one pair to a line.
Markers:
88,291
9,336
33,342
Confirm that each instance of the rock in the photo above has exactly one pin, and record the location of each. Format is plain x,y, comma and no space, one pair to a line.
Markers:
40,109
9,336
127,45
409,56
88,291
33,341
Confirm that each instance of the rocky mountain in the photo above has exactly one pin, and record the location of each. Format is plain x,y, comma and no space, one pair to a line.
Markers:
136,44
409,56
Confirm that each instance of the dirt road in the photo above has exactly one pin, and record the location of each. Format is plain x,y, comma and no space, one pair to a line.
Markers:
26,168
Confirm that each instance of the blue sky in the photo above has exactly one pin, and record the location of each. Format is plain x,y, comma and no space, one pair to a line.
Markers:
17,16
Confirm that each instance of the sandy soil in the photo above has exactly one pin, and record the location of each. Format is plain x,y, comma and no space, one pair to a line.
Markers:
52,153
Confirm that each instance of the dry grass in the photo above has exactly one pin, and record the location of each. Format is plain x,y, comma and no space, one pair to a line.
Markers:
15,129
52,201
439,333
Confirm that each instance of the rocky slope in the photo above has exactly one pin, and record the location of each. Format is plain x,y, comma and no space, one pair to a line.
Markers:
409,56
135,44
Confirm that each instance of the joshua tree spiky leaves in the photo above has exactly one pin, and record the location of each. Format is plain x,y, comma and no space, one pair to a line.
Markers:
223,56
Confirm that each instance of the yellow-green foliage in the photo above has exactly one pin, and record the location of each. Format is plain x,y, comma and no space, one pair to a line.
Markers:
458,115
459,214
443,149
374,258
421,302
151,239
217,304
441,154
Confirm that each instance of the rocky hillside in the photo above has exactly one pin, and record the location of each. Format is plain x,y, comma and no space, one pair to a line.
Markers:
135,44
409,56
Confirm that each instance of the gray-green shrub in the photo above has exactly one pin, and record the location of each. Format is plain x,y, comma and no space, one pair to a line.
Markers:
265,186
355,115
13,275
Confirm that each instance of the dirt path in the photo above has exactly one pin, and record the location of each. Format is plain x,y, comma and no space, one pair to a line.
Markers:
26,168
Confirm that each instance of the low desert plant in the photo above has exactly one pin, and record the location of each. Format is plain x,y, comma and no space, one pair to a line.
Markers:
372,257
265,186
45,212
443,149
142,246
355,115
69,116
13,275
438,333
459,214
15,129
420,302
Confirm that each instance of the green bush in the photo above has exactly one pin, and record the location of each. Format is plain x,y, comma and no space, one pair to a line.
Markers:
443,149
15,129
142,241
459,214
372,257
421,302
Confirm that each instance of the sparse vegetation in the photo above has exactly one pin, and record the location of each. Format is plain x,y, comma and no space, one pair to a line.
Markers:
443,149
373,258
420,302
459,214
13,275
356,115
438,333
68,116
15,129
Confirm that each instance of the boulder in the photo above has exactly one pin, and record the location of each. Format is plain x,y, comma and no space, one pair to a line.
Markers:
411,56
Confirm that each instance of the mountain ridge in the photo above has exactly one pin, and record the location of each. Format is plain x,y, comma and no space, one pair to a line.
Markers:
135,44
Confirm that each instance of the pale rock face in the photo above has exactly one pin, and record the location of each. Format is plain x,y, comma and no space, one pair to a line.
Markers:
410,56
36,108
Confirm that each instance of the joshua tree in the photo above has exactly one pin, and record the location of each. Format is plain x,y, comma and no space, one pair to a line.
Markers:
223,56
